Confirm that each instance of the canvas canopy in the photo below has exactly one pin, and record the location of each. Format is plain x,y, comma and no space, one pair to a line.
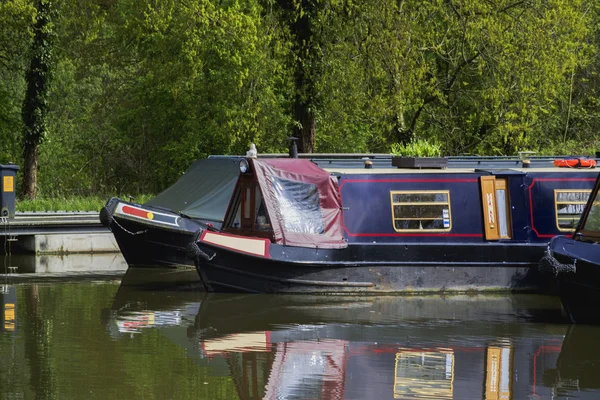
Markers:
303,203
203,191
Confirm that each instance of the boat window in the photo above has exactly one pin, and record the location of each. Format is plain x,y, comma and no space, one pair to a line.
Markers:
298,204
424,374
503,208
237,217
247,202
569,207
419,211
262,222
592,222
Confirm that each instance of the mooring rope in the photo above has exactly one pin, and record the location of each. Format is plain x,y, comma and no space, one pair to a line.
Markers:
125,229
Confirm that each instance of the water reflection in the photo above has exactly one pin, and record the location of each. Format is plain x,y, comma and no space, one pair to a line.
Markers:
578,365
334,347
156,335
82,263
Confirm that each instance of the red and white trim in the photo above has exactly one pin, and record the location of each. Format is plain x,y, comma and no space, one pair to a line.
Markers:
130,211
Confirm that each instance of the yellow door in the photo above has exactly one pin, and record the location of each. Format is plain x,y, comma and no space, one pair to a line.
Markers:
490,213
495,207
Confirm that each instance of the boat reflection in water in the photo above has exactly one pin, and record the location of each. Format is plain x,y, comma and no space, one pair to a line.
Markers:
578,365
384,347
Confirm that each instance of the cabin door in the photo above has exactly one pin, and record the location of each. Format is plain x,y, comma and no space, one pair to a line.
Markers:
496,208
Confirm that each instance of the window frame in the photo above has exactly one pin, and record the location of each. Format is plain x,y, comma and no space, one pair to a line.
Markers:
409,192
556,204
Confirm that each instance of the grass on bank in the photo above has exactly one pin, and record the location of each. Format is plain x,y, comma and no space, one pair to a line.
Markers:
71,204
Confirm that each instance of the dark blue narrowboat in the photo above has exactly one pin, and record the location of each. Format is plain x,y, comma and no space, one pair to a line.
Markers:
157,233
574,261
292,226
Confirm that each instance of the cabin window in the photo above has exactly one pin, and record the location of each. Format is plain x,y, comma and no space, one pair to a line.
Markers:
421,211
569,207
298,204
237,217
247,196
262,222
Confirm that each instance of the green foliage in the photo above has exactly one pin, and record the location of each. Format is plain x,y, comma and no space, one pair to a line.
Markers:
73,203
141,89
572,148
15,36
416,148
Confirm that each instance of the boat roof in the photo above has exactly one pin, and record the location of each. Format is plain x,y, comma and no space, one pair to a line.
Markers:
384,161
203,191
343,171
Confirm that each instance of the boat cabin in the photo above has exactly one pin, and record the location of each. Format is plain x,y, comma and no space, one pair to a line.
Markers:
288,201
295,202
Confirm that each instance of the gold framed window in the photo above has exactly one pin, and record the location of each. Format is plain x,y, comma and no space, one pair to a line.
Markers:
418,211
569,205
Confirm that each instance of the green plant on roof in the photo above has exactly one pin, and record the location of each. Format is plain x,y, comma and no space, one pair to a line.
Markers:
416,148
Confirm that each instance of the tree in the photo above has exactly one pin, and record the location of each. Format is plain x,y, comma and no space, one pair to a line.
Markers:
15,35
302,18
35,104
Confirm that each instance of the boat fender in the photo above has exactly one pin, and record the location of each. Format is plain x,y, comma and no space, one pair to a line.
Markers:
194,252
551,266
107,210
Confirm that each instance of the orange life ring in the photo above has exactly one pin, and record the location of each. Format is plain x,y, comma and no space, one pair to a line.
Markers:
575,163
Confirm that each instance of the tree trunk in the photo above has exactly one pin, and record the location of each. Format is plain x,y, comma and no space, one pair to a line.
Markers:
30,167
305,132
35,107
300,16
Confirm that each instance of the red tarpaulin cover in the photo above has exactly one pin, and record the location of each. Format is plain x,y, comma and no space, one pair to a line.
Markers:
303,202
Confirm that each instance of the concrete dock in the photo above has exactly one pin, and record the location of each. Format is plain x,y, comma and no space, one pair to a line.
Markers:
56,233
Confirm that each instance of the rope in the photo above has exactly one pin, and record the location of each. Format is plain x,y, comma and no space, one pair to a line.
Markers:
551,266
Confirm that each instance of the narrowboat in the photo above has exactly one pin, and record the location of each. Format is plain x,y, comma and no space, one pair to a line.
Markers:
294,226
156,233
574,262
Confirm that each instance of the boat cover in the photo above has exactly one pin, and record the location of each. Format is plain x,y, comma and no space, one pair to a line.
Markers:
203,191
303,202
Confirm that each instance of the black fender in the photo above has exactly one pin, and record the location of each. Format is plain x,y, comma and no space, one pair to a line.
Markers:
106,212
550,266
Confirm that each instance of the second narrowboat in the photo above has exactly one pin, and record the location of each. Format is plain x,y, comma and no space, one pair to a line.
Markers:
574,262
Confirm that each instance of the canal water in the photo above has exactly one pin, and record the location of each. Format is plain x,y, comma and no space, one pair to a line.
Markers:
152,334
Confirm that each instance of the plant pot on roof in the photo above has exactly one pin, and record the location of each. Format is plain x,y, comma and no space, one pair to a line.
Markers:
418,154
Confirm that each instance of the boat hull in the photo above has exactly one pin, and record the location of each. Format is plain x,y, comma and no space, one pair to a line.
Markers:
445,269
577,278
148,242
580,299
152,247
